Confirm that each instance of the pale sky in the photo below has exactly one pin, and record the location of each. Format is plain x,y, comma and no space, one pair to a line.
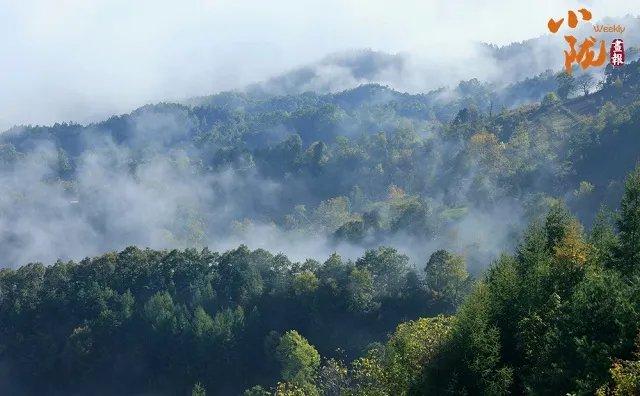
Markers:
82,60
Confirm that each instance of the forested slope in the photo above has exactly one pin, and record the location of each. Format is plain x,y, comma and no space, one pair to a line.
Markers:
558,316
358,168
450,178
159,321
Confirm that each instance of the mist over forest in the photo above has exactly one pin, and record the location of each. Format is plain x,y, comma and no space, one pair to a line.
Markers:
372,223
293,167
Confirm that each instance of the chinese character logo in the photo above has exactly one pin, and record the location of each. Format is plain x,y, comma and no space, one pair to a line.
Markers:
616,53
585,55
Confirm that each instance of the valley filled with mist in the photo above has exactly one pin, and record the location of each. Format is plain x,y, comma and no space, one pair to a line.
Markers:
368,224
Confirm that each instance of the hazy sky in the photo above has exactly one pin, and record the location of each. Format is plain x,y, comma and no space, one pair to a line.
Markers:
83,60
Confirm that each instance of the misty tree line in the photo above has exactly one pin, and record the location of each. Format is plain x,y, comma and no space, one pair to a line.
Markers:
558,316
361,166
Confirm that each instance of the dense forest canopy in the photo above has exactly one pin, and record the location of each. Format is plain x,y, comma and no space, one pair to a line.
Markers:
558,316
144,320
477,239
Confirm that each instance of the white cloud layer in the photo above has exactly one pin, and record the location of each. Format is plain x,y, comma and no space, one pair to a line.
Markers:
82,60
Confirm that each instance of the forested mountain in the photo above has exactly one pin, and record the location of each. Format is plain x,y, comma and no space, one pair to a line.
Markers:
353,169
312,186
558,316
